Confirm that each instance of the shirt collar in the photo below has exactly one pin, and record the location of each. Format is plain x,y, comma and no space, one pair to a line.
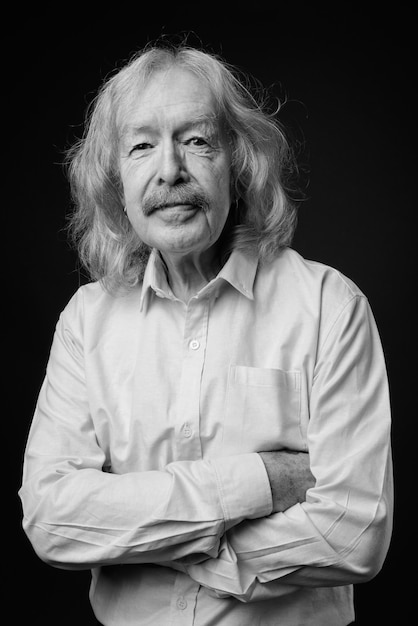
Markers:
239,271
155,278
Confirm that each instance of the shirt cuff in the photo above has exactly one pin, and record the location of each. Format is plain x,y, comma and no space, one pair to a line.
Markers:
244,487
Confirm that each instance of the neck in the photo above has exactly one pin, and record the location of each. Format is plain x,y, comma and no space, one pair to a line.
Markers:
190,273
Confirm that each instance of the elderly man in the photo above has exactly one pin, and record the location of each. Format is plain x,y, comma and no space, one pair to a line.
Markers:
212,437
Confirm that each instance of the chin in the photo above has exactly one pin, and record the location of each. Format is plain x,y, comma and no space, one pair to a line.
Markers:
185,247
185,241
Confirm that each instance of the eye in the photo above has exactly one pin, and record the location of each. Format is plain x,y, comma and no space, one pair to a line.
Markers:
197,141
140,147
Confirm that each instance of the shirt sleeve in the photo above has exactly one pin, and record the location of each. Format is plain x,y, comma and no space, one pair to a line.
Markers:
341,534
79,516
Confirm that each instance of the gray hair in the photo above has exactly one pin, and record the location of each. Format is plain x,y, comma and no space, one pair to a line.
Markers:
265,217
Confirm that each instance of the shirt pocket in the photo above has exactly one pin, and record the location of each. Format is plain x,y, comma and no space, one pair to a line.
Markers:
262,411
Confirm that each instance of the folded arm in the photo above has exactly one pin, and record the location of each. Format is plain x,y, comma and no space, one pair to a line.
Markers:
79,516
340,533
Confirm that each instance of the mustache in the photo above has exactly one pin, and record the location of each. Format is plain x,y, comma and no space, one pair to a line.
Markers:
186,194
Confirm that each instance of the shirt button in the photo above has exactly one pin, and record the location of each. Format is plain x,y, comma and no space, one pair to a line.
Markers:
194,344
181,603
187,431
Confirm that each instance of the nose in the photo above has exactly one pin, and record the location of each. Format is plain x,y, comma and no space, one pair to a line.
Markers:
171,167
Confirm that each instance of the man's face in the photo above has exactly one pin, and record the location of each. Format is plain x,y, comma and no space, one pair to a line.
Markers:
175,165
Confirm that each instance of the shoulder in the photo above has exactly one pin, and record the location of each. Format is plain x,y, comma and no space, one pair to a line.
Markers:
92,304
311,277
302,287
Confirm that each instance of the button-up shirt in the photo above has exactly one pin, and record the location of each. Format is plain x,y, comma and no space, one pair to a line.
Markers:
142,461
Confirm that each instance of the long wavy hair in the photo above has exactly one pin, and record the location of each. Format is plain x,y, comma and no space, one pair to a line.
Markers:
263,217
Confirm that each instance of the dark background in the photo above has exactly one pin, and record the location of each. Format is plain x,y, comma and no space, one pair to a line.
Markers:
348,77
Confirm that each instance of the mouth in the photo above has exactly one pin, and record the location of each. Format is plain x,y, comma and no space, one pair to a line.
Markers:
177,212
176,206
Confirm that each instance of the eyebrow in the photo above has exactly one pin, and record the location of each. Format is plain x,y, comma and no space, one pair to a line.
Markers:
134,129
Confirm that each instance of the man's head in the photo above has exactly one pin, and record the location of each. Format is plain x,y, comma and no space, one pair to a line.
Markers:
174,164
239,180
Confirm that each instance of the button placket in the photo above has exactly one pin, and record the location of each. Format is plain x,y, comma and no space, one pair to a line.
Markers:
183,601
188,406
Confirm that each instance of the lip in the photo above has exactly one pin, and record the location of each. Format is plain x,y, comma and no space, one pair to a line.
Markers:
177,207
177,212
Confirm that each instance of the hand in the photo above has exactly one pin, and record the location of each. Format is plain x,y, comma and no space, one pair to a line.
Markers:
289,475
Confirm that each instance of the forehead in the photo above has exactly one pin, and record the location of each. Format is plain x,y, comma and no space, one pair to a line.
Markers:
170,95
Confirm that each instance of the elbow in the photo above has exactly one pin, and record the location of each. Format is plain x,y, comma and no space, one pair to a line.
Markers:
49,545
362,568
51,549
366,559
51,541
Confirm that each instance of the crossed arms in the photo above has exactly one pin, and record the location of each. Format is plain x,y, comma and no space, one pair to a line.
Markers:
250,525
